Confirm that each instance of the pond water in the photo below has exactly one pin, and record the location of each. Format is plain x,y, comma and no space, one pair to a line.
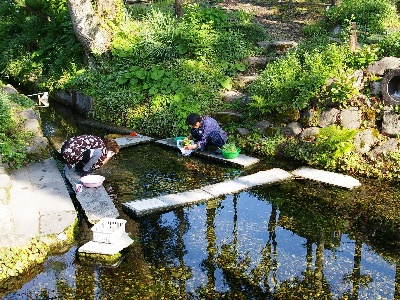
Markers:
273,242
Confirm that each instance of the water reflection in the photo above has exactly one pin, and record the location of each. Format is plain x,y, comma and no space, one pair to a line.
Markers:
237,247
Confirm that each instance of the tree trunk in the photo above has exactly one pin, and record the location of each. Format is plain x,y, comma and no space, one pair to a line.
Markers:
178,8
89,27
335,2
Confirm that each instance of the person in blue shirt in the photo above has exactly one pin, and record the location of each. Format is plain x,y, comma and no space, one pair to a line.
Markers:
205,131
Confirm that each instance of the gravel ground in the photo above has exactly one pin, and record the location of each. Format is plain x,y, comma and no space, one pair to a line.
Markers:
282,21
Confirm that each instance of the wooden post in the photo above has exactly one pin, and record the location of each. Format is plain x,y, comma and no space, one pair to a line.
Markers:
353,37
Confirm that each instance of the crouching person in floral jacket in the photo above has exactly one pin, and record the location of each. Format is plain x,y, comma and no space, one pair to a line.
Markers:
88,152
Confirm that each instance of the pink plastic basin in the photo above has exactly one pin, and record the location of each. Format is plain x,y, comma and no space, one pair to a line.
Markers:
92,180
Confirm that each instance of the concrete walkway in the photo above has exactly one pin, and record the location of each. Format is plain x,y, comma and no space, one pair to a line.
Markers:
240,161
36,203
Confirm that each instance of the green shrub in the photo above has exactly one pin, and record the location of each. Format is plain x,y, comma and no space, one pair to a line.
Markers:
390,45
276,85
13,139
39,49
332,145
298,78
371,16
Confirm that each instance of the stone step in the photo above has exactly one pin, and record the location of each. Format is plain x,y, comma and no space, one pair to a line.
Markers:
241,161
167,202
106,249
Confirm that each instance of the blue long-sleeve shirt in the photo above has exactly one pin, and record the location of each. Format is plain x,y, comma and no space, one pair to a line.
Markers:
202,134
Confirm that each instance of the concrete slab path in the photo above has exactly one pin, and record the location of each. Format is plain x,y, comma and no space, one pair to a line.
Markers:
127,141
332,178
95,202
241,161
167,202
39,204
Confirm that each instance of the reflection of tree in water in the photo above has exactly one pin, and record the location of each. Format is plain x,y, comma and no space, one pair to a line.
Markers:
356,277
306,217
235,268
162,238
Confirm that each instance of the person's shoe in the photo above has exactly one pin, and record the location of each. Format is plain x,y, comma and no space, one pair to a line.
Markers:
79,167
84,173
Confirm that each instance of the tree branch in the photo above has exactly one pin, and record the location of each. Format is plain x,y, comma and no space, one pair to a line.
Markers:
37,13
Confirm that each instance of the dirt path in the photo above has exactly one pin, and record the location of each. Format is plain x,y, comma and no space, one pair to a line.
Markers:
282,21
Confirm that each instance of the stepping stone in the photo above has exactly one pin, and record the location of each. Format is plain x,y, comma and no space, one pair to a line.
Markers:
188,197
224,188
128,140
167,202
327,177
106,249
264,177
95,202
145,206
242,160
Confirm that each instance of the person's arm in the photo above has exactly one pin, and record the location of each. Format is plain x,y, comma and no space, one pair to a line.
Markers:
110,154
97,153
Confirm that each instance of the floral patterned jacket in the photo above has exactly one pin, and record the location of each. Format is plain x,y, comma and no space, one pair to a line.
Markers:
73,148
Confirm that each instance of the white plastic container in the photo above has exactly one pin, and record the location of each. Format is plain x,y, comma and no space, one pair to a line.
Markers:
108,230
184,151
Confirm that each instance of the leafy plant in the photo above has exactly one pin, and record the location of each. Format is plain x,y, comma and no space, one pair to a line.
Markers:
330,147
13,139
230,147
371,16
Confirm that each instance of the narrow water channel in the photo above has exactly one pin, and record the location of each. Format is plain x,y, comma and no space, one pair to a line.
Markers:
274,242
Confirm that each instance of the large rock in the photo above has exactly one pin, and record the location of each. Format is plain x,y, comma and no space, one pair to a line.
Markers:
379,67
358,77
391,122
292,129
32,125
242,81
390,145
232,96
328,117
262,126
257,62
242,131
29,114
76,100
38,145
309,134
364,140
9,89
350,118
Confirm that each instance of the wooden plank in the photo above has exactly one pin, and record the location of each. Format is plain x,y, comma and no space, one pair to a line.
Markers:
95,202
337,179
242,160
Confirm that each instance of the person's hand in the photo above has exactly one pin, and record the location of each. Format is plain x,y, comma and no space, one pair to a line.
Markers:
110,154
190,147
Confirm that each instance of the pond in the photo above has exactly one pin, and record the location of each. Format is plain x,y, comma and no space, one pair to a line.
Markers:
280,241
